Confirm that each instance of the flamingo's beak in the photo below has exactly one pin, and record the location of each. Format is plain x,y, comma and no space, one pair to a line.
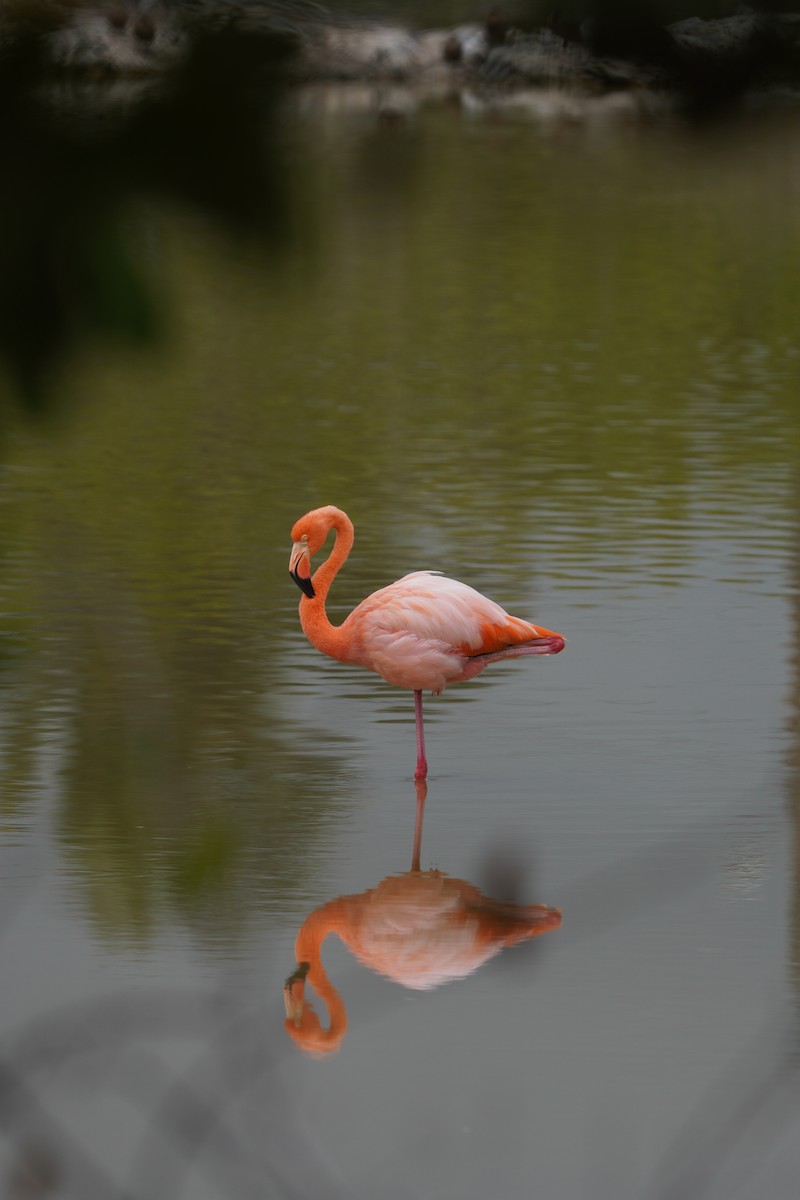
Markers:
300,568
548,641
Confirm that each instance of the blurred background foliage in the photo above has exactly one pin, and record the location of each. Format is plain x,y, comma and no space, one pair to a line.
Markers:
205,138
543,11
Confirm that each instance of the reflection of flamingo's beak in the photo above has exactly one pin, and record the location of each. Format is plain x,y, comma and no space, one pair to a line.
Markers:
300,568
295,1014
294,994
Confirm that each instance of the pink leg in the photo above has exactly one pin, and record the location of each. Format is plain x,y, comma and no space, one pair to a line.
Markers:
422,764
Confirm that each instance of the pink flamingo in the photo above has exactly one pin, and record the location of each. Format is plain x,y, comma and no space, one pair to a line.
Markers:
424,631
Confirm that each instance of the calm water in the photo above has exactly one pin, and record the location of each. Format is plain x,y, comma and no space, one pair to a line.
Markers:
557,358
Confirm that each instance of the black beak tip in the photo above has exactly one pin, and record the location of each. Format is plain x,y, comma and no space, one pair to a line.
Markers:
305,585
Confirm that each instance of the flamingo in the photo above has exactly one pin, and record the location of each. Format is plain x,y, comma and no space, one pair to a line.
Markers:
418,928
423,632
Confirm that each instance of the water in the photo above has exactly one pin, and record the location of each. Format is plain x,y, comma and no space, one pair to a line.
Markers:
558,360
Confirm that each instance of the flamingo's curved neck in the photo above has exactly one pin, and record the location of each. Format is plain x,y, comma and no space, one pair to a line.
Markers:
313,618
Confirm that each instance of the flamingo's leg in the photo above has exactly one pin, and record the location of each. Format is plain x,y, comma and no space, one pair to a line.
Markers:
422,764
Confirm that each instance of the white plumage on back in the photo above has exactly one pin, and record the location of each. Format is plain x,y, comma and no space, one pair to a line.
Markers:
431,606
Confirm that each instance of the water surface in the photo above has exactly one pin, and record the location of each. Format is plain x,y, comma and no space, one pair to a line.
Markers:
556,360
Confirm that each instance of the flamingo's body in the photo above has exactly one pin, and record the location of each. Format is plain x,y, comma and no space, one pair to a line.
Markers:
423,632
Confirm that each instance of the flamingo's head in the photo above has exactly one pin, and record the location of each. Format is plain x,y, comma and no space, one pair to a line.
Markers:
306,1031
308,536
300,565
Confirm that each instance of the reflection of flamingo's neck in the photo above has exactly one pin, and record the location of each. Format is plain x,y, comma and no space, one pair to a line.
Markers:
308,950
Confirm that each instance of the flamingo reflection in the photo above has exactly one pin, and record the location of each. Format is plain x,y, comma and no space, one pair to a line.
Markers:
419,928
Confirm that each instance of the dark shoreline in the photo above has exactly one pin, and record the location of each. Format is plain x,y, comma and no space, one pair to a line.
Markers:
707,62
